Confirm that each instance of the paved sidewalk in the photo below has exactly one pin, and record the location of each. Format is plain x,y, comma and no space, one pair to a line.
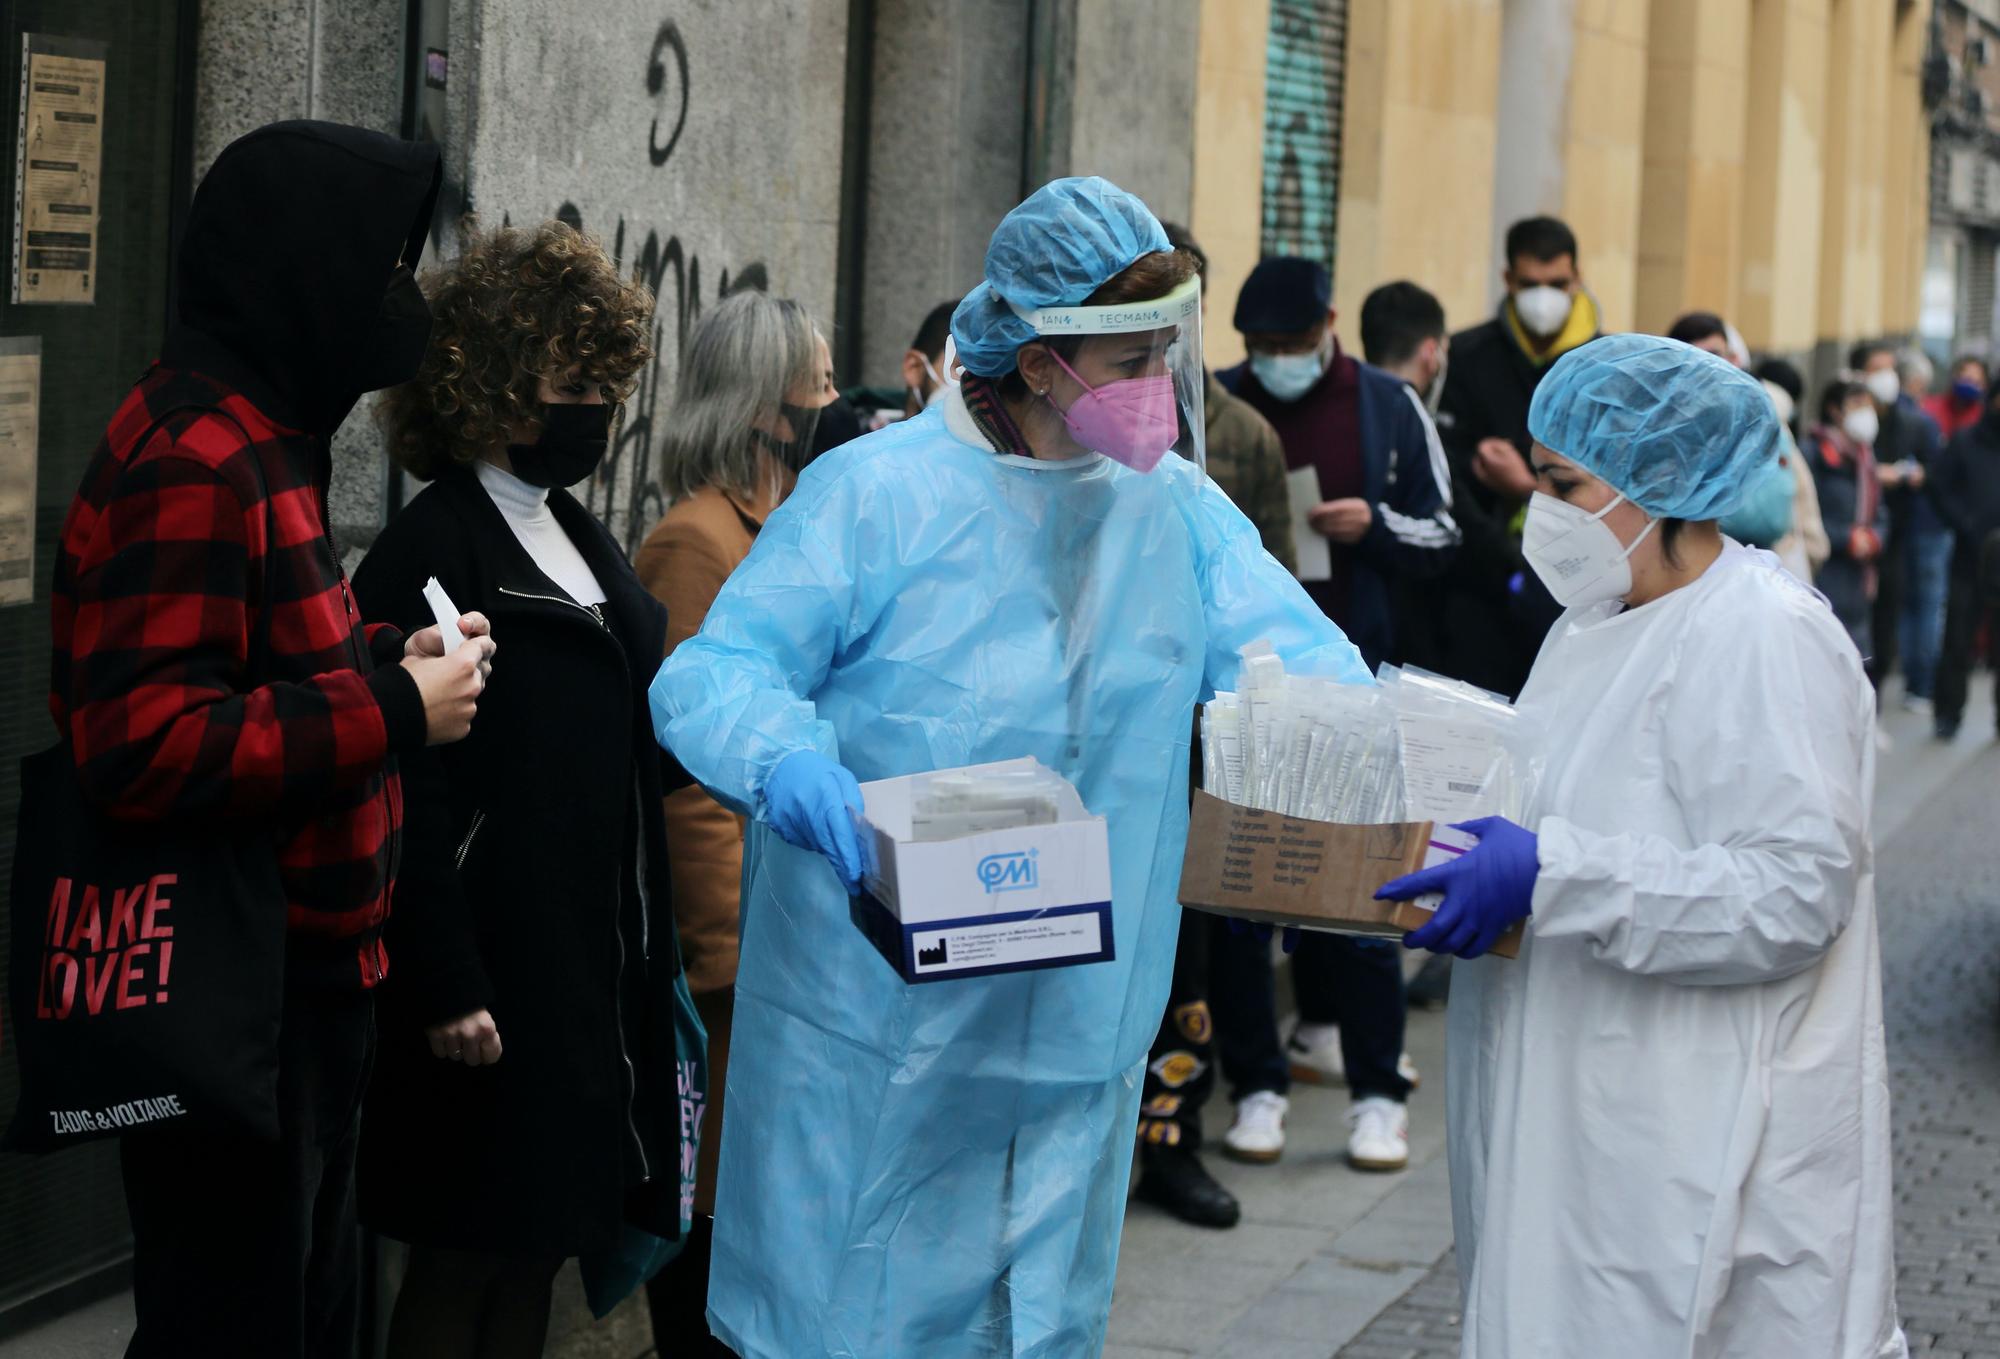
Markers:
1322,1247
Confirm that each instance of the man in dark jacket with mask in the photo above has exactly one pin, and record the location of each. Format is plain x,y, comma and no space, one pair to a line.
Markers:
201,523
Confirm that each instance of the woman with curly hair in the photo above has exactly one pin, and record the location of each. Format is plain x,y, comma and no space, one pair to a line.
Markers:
524,1106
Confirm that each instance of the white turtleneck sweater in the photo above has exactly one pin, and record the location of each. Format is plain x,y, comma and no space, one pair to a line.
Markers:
526,510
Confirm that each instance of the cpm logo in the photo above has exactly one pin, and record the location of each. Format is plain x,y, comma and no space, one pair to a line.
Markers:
1008,872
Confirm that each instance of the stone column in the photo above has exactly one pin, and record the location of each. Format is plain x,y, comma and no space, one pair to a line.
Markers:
1228,189
1906,188
1852,241
1537,42
1784,175
1132,99
945,151
1690,222
1604,149
1417,159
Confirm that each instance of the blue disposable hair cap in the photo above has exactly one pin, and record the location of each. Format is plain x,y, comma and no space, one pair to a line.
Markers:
1677,430
1063,243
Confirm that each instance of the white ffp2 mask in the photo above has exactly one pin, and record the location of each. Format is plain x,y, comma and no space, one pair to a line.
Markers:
1543,309
1575,552
1863,425
1884,386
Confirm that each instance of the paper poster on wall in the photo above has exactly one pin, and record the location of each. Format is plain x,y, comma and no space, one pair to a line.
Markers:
20,421
58,165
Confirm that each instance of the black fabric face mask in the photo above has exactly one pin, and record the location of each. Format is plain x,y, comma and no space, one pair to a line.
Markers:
573,442
831,426
393,349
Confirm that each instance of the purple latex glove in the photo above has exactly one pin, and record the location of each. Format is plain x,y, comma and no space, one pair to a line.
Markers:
1486,889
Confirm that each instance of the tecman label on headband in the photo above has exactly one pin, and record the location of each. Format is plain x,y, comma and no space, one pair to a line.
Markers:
1176,308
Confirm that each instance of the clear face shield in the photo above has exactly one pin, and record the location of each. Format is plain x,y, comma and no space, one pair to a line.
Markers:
1140,367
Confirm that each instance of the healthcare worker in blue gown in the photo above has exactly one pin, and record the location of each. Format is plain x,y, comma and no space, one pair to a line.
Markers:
940,1171
1670,1116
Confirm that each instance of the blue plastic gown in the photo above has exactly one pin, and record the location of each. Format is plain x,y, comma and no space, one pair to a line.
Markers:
940,1170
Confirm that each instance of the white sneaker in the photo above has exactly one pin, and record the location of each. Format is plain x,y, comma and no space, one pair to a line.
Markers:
1258,1134
1380,1139
1314,1053
1913,703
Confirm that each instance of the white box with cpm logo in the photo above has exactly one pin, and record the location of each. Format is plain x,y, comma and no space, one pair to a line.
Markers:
998,901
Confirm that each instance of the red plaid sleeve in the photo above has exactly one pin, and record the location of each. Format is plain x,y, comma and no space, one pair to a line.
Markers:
160,648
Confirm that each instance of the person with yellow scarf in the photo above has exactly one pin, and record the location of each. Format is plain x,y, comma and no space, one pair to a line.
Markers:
1484,620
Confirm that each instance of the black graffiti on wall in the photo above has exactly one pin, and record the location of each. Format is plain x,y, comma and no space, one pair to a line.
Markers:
626,492
668,39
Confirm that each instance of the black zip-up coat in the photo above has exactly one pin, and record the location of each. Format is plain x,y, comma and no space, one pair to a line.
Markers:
534,885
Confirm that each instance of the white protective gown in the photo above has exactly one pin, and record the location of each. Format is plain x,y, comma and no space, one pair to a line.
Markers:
1670,1117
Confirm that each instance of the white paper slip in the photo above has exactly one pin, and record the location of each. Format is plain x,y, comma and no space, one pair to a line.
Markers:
1310,546
446,613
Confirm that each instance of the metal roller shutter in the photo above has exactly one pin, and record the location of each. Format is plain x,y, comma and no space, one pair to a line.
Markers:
1302,97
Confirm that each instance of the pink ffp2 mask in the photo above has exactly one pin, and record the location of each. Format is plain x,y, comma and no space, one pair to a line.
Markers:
1131,420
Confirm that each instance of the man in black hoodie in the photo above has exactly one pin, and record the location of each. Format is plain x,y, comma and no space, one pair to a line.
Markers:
202,523
1964,487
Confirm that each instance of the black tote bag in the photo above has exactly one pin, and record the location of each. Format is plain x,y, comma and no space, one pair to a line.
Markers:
148,959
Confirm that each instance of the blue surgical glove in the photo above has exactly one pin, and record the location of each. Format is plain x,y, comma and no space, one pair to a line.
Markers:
812,802
1288,941
1486,889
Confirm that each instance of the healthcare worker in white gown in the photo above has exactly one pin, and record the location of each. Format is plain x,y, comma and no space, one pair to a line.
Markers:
1669,1119
939,1171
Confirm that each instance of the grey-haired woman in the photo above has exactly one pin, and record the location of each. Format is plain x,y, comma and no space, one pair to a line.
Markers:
753,383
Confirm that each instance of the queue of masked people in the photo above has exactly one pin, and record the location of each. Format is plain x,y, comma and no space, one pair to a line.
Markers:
1883,497
1915,564
517,881
1891,511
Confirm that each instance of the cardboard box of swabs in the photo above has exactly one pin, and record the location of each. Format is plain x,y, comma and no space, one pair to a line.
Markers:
1280,870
